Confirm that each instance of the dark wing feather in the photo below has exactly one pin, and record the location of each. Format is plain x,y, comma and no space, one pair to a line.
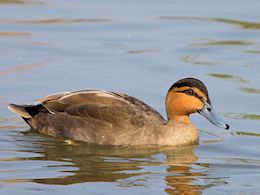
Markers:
116,108
150,113
118,116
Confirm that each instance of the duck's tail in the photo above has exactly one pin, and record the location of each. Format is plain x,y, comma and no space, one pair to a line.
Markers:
27,111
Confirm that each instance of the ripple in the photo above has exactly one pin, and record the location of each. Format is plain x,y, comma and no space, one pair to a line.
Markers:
140,51
224,42
242,116
50,21
14,181
15,34
65,21
228,77
19,68
10,127
13,119
250,90
20,2
40,43
239,23
243,133
252,51
191,60
114,45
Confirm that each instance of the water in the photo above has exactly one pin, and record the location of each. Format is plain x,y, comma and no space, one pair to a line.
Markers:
140,48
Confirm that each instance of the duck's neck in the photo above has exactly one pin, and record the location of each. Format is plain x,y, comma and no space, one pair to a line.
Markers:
178,131
180,118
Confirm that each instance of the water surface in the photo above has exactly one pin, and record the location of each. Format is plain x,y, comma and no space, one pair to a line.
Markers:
140,48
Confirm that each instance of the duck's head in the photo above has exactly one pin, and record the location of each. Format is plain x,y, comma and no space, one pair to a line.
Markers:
188,96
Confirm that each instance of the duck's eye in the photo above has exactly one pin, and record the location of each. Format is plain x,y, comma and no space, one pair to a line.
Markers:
190,92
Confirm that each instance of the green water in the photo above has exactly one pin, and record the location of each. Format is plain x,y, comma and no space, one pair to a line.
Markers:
140,48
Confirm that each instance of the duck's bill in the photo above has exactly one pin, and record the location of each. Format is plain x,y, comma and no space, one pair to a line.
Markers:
209,113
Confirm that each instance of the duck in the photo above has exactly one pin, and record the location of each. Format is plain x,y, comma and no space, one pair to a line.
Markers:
113,118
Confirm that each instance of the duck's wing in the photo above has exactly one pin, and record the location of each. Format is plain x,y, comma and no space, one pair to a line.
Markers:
58,102
93,96
118,116
115,108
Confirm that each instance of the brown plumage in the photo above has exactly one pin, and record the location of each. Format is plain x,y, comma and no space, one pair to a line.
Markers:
109,118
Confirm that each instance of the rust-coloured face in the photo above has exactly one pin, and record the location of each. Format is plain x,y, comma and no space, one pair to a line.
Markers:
184,100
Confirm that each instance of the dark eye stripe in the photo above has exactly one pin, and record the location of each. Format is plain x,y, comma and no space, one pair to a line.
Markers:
192,93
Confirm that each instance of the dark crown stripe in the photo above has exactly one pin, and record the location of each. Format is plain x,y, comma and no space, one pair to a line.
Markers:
191,82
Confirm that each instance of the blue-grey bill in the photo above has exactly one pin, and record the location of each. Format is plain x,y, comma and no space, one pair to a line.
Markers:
209,113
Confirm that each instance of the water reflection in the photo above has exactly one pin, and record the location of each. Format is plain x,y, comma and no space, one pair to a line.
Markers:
224,42
20,2
240,23
15,34
142,51
252,51
56,21
19,68
191,60
240,116
243,133
228,77
250,90
127,166
100,32
65,21
11,119
181,178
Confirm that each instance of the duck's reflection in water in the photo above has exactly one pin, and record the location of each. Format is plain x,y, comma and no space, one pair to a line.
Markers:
123,165
181,177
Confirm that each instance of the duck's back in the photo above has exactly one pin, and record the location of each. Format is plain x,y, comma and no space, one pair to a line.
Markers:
95,116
